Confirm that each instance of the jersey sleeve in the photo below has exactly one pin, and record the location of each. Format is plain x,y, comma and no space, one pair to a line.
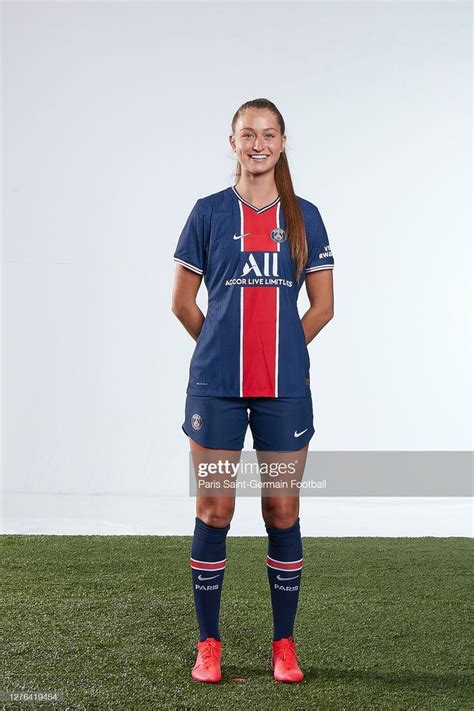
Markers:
319,250
191,250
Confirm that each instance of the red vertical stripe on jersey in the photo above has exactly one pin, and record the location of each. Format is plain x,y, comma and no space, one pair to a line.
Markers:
259,318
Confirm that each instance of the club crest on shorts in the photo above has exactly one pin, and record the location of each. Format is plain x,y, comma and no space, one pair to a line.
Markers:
278,235
196,421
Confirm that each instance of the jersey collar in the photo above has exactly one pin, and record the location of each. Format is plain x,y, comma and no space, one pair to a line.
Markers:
256,209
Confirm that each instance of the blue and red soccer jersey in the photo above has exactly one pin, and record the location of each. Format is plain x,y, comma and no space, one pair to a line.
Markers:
252,343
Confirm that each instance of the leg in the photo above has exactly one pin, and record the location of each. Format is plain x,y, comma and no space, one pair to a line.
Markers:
208,552
279,425
214,509
285,552
218,427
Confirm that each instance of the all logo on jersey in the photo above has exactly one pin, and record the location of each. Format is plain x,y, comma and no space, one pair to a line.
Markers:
252,264
260,269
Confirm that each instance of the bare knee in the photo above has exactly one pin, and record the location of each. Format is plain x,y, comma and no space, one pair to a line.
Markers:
215,515
280,514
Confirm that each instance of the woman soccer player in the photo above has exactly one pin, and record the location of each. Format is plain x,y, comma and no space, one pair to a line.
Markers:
255,243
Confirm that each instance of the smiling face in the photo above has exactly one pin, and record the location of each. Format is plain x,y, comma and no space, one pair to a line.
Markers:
257,140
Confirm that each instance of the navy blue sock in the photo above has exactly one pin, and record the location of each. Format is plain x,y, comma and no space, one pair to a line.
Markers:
208,559
284,565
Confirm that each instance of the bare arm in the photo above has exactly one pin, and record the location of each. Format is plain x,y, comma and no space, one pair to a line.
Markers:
319,287
184,307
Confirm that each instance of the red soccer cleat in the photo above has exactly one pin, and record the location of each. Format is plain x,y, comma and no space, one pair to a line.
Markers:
284,660
208,662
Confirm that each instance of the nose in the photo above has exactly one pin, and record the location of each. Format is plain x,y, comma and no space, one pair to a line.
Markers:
256,144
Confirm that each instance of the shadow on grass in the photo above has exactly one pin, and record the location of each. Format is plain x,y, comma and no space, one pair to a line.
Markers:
233,673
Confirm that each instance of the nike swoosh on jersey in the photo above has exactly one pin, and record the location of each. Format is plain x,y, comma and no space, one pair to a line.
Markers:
292,578
297,434
240,236
201,577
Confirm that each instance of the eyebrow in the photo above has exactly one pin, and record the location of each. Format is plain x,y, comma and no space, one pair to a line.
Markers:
247,128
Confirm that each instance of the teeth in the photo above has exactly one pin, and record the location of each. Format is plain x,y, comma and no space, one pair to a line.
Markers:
259,157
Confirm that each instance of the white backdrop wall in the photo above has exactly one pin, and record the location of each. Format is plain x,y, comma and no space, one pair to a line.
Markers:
115,120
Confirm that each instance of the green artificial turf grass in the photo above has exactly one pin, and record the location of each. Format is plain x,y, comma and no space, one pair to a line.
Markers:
109,620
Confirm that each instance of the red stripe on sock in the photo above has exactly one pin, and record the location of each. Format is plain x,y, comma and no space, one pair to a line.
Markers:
201,565
281,565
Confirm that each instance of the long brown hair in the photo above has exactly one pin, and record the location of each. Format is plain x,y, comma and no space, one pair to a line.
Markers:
294,221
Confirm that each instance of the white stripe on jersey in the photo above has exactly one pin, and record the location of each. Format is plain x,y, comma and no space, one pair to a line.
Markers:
277,333
241,335
190,266
323,266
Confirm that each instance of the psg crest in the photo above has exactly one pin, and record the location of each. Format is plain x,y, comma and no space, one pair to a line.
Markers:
196,421
278,235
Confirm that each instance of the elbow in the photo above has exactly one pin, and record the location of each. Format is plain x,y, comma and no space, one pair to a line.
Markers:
324,313
180,309
177,309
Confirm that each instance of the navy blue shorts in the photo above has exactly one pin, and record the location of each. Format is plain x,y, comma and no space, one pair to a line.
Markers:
281,424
